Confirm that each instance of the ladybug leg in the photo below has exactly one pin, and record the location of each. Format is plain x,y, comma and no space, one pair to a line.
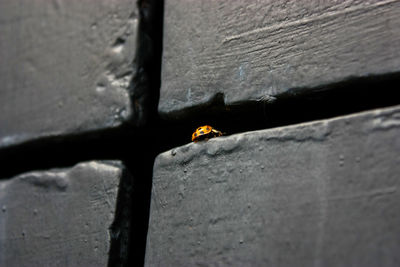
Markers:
216,132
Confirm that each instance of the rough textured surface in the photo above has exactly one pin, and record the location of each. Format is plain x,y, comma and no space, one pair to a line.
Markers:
59,217
324,193
65,66
255,50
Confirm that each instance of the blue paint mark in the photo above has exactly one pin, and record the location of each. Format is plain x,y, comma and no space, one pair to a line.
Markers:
189,94
241,71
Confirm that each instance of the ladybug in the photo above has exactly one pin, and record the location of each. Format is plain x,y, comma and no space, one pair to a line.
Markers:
204,133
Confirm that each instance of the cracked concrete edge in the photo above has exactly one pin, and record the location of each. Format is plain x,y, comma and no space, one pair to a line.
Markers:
378,119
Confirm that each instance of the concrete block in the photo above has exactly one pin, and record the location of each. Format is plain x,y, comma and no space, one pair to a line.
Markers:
258,50
323,193
65,67
60,217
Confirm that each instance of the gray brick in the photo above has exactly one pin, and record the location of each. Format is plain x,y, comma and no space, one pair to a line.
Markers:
323,193
258,50
59,217
65,67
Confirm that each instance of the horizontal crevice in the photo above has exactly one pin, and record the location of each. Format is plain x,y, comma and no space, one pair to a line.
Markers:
296,106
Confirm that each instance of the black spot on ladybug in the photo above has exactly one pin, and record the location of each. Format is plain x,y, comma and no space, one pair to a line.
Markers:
208,128
201,132
195,134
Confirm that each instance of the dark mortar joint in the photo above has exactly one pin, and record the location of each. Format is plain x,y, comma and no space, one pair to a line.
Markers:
298,105
121,228
144,87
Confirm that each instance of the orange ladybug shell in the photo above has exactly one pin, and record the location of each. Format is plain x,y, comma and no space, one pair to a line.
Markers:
203,131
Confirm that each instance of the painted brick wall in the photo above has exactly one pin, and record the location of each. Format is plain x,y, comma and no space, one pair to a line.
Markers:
98,102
